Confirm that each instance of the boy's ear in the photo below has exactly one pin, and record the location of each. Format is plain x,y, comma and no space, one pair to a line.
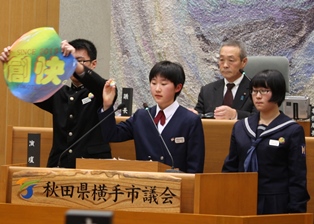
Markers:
93,64
178,87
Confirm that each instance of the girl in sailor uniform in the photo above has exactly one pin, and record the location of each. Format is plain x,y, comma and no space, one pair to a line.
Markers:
273,145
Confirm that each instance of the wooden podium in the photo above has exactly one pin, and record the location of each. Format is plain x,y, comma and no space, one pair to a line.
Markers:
123,165
212,193
218,198
238,191
199,193
28,214
56,215
91,189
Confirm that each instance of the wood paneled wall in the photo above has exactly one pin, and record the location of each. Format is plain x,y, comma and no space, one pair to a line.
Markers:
18,17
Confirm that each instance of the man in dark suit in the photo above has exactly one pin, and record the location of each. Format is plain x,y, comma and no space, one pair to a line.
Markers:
232,60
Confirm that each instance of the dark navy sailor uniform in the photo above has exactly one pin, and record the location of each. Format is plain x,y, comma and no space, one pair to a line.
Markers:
281,162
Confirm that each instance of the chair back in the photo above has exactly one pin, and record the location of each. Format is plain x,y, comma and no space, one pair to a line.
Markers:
257,64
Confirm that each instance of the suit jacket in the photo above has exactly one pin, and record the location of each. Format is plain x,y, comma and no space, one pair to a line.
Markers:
281,163
72,118
183,136
211,96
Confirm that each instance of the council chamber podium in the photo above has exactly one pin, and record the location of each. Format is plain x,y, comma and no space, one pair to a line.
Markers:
212,197
201,193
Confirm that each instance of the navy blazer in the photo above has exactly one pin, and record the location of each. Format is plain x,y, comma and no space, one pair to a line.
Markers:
183,135
281,163
211,96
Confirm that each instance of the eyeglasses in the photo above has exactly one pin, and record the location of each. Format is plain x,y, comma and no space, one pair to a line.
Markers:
261,91
83,61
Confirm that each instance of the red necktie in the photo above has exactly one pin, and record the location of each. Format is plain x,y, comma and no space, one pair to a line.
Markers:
228,99
160,117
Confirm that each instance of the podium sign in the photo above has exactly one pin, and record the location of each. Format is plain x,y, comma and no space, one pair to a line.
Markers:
111,190
33,150
127,99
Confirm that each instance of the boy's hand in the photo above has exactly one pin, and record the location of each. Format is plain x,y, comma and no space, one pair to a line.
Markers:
108,94
67,48
5,54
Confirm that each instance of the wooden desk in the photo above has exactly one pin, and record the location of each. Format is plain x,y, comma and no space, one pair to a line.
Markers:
195,196
217,141
16,144
217,138
13,214
306,124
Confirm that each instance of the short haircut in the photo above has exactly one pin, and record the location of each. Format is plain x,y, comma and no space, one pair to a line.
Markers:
82,44
273,80
172,71
236,43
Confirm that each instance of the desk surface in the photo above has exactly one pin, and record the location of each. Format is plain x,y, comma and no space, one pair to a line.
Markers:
306,124
13,214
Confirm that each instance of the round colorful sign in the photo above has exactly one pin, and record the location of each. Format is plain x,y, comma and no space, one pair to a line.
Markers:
36,68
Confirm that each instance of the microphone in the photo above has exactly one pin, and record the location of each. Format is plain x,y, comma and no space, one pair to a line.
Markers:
172,170
121,106
243,73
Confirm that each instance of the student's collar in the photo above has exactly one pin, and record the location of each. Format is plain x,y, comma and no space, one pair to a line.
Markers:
169,110
77,88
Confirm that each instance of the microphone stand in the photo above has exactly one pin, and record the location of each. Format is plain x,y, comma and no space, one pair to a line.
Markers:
121,106
243,73
172,170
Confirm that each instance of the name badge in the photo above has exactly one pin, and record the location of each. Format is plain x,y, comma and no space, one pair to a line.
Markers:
179,140
273,142
86,100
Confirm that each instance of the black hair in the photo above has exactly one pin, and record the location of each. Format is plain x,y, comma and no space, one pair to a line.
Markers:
82,44
236,43
273,80
172,71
